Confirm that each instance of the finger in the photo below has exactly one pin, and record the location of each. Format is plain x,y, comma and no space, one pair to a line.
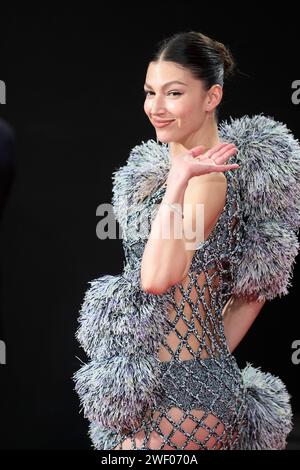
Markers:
219,150
195,151
210,152
229,150
222,158
233,166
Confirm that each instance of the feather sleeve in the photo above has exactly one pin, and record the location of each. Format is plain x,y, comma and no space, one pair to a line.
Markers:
120,326
120,329
268,182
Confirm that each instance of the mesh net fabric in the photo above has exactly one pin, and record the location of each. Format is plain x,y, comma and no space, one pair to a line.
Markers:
202,406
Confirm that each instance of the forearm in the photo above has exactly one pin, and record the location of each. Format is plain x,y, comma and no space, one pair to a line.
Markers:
164,252
238,316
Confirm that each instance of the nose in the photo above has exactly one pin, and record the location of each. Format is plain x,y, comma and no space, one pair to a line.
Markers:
157,105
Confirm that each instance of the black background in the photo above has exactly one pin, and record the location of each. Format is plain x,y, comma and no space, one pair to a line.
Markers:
74,82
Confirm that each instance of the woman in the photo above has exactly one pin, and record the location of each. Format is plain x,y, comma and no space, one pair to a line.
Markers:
160,336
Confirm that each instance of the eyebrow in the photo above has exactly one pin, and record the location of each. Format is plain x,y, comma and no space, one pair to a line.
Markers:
168,83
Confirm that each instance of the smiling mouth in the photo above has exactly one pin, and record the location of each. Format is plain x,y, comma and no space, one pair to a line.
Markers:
162,123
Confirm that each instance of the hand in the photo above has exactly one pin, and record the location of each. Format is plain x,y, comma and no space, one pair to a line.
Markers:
196,162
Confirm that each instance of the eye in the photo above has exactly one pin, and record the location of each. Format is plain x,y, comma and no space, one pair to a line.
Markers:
146,92
175,92
170,92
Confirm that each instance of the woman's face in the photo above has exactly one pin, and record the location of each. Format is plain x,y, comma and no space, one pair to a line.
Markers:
186,104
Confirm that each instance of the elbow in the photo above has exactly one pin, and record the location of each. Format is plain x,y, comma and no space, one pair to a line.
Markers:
158,283
154,288
155,285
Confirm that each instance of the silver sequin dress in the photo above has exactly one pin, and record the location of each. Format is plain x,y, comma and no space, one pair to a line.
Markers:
196,397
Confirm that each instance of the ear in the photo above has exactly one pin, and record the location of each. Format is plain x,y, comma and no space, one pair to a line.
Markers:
214,96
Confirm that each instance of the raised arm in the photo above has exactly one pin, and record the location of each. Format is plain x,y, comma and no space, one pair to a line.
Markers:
166,258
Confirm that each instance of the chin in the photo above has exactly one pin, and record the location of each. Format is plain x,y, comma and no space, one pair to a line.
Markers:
165,138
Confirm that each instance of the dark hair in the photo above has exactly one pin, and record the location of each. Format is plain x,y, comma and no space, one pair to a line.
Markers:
209,60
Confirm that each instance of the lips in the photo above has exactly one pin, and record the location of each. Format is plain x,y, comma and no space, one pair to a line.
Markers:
160,123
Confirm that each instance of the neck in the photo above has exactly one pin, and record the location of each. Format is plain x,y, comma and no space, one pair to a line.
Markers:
207,135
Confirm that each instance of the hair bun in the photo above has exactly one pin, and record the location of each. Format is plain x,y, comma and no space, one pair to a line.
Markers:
227,58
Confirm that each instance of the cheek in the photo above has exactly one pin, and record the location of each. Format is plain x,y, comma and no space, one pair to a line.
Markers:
145,107
189,117
184,109
186,114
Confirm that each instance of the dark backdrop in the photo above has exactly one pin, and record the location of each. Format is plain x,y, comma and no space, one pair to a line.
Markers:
74,97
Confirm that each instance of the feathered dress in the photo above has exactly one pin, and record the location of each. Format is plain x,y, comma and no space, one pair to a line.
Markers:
196,398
